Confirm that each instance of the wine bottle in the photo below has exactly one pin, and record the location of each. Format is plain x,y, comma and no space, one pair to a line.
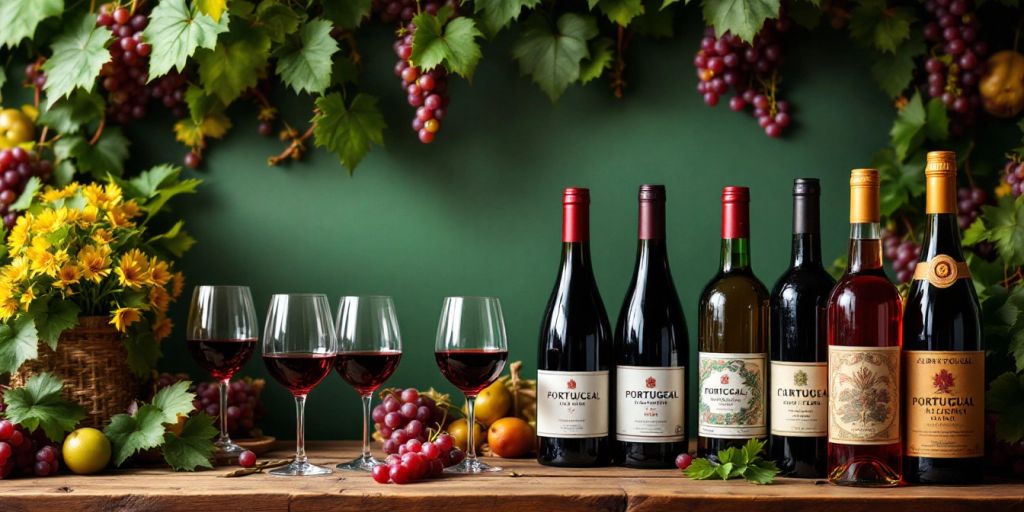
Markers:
943,354
864,354
651,351
799,346
574,360
732,335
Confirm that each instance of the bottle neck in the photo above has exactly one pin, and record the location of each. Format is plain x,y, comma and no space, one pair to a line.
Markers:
865,247
651,221
806,250
575,223
942,237
806,231
735,255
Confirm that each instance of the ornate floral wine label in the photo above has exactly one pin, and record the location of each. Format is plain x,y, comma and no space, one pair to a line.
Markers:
864,391
650,404
799,399
945,401
732,403
572,404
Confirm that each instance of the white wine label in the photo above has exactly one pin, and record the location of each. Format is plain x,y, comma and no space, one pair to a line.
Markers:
732,402
799,399
650,404
864,391
572,404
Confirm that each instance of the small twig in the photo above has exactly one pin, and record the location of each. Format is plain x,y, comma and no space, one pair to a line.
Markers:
258,468
42,139
297,146
99,131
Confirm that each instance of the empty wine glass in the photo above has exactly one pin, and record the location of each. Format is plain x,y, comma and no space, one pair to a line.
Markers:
221,337
299,347
471,350
369,348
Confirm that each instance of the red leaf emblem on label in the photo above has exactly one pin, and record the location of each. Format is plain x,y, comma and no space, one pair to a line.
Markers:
943,381
651,383
571,384
725,379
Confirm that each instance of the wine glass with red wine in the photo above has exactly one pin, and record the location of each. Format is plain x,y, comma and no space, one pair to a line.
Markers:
369,348
299,347
221,336
471,350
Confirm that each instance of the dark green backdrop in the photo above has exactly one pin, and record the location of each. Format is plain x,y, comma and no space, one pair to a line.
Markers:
478,212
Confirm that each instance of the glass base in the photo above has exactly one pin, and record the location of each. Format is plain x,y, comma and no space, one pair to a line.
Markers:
359,464
297,468
225,448
469,466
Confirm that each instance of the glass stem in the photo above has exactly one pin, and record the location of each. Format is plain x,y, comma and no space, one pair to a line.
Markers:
471,428
300,429
224,438
366,427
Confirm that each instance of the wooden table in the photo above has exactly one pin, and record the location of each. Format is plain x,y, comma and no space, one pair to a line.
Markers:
523,486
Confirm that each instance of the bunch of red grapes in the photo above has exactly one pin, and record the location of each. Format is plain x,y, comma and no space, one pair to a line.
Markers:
1013,175
16,167
749,70
957,63
19,453
244,405
34,75
419,460
902,253
969,203
125,75
170,91
406,416
427,91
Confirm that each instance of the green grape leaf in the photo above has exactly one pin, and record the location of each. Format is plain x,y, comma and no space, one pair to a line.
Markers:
175,241
107,156
235,64
212,8
743,18
174,400
621,11
601,57
551,54
497,14
751,450
907,131
194,447
19,18
1003,397
347,14
936,127
67,115
132,434
24,200
745,462
452,44
78,55
348,131
1005,223
700,469
278,19
148,184
39,404
200,104
893,72
875,23
19,342
53,317
724,470
304,62
176,32
900,181
761,472
654,22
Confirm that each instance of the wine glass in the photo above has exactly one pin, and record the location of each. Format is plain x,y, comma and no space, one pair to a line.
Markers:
299,347
369,348
471,350
221,336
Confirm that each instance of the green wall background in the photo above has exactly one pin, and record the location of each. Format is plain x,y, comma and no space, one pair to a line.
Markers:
478,212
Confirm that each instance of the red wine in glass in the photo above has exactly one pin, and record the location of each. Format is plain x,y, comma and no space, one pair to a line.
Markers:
366,371
299,372
471,370
222,358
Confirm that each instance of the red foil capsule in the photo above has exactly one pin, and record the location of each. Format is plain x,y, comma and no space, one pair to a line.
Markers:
576,215
652,212
735,212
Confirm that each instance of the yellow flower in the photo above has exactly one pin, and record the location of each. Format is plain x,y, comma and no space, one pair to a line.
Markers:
132,270
159,299
18,236
159,273
42,260
27,297
119,217
55,194
94,262
69,274
177,285
102,236
104,197
8,308
162,328
124,317
17,270
131,209
88,216
50,220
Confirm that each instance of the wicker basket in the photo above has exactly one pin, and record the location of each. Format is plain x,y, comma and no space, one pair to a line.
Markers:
93,362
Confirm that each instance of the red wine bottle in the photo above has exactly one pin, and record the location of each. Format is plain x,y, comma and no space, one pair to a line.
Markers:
943,353
651,351
799,346
574,358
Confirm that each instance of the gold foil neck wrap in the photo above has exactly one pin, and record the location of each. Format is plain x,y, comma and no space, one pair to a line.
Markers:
940,178
864,196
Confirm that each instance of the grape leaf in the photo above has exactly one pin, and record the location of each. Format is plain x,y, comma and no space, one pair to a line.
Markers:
900,181
619,11
18,342
53,317
348,131
936,125
106,156
724,470
143,351
874,22
601,57
174,400
347,14
1003,397
761,472
176,32
304,62
743,18
452,44
192,133
175,241
132,434
193,447
907,131
496,14
212,8
1005,223
78,55
654,22
201,104
893,72
148,183
19,18
700,469
235,64
24,200
734,462
67,115
551,55
39,405
277,19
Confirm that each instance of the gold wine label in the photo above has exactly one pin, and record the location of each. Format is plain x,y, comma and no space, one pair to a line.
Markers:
945,403
941,271
864,196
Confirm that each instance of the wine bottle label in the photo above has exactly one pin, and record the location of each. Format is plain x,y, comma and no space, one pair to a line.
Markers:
941,271
732,403
650,404
799,399
864,390
945,400
572,404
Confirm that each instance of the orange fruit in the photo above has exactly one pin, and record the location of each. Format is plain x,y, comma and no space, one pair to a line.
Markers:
510,438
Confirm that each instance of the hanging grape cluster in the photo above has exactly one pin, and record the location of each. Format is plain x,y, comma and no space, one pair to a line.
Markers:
125,75
16,167
957,60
